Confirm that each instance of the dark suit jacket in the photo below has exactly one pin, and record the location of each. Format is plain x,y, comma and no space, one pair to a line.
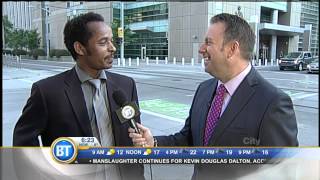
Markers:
56,108
258,114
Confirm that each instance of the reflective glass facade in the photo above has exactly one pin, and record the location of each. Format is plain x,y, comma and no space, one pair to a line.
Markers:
148,23
310,15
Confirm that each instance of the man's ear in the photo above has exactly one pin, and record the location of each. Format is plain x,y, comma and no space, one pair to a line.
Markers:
233,49
79,48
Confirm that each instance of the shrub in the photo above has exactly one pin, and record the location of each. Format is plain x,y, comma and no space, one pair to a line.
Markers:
29,53
18,52
6,51
52,52
38,52
61,52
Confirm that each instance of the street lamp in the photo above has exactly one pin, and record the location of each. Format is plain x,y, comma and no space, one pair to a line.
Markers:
47,32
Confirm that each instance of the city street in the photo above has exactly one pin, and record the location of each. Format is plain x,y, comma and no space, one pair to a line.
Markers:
165,94
164,46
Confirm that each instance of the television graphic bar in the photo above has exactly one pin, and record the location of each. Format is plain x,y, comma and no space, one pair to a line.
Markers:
87,150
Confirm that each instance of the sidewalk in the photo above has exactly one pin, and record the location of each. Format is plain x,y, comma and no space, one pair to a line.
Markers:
143,64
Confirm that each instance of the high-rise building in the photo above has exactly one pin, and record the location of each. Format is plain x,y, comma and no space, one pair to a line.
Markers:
276,25
177,29
19,13
310,21
148,22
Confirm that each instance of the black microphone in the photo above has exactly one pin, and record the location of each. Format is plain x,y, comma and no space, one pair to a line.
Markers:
127,111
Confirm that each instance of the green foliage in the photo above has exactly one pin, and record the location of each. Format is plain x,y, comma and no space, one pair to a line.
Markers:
6,51
19,39
61,52
29,53
18,52
38,52
33,39
7,27
15,39
52,52
128,34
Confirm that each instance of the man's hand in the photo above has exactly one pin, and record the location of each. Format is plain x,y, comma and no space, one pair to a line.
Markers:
144,139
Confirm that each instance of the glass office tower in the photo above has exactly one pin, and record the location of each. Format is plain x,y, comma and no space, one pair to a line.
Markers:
146,25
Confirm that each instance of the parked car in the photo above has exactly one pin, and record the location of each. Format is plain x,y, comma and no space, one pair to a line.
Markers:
296,60
313,67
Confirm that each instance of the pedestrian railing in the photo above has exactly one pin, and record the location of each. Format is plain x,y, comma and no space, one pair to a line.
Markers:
11,61
183,62
15,61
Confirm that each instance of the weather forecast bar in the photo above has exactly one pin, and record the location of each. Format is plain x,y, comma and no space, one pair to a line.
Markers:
176,155
87,150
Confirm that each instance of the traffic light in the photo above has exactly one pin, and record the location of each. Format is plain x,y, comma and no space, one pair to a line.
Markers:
118,41
120,32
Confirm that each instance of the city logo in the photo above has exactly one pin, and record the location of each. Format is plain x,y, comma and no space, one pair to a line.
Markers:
128,112
64,150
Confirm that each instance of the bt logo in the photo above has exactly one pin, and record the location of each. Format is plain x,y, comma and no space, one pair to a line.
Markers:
64,150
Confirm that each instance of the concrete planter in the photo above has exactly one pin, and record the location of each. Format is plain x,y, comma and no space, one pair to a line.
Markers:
26,57
53,59
66,58
42,57
61,59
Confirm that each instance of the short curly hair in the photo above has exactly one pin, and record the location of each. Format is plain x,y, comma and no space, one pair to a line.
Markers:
76,29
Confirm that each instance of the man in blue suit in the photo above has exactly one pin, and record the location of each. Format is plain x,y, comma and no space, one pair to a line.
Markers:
237,107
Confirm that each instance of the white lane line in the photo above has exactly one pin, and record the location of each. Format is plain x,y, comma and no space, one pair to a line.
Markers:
59,67
32,71
190,95
184,71
163,116
282,72
304,96
298,81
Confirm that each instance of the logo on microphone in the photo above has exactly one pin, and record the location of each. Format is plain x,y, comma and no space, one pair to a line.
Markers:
64,150
128,112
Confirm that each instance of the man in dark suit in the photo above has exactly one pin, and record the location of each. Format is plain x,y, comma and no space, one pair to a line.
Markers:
66,105
236,108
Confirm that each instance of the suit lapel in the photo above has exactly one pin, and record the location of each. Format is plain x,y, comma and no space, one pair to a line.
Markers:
111,87
116,126
207,99
74,93
237,102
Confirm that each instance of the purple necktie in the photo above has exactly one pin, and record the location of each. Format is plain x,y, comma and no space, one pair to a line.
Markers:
214,113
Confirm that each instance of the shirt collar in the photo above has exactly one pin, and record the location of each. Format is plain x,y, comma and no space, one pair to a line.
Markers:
233,83
83,76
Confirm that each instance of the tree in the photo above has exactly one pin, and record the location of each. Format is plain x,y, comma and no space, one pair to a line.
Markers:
128,34
14,39
19,39
33,40
8,28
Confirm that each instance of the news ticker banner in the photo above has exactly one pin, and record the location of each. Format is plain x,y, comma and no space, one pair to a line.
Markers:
87,150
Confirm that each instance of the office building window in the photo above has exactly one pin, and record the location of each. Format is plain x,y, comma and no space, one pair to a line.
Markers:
148,26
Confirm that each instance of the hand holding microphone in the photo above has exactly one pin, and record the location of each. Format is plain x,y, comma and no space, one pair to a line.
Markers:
144,138
126,113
